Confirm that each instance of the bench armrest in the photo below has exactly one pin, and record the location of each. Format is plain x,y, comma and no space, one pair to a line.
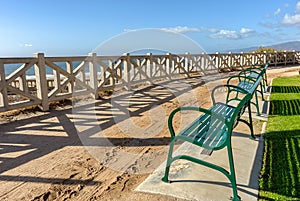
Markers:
170,120
240,78
194,108
250,70
257,71
259,66
230,88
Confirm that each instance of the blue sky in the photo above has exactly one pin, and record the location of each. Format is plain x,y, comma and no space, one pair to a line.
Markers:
63,27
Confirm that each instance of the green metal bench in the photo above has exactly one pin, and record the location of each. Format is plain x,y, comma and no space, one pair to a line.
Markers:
249,80
212,130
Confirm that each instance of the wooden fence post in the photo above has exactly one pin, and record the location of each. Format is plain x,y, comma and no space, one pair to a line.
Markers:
41,81
218,61
93,74
265,57
3,89
253,59
149,67
294,56
230,61
275,55
170,65
188,63
285,55
127,71
69,66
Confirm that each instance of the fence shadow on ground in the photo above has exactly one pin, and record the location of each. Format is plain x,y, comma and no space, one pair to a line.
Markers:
40,135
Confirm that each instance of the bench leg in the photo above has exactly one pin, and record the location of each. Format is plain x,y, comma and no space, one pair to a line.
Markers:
249,124
169,161
257,106
266,79
264,84
231,176
261,91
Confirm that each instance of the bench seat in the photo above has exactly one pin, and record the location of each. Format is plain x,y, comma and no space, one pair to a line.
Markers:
207,131
247,86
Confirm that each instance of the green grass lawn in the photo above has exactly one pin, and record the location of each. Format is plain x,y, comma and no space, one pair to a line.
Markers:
280,174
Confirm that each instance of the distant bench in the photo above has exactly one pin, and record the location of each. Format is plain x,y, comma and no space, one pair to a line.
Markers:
212,129
249,80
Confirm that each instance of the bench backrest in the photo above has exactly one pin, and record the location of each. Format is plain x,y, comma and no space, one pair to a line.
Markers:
260,66
240,109
232,120
248,79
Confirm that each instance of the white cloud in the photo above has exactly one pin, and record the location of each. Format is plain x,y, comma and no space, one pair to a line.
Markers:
226,34
213,30
233,35
25,45
246,31
182,29
178,29
298,6
291,20
277,11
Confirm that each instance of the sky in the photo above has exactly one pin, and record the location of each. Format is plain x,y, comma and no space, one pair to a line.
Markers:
73,27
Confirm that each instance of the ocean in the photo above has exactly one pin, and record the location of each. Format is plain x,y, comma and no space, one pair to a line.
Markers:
10,68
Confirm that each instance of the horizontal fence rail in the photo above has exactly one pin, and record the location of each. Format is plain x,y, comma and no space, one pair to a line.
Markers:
40,80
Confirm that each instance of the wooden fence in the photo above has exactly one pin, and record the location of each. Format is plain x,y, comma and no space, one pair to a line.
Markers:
91,74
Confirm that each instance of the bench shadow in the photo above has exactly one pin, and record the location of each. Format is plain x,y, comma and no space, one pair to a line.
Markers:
286,89
240,188
257,162
285,107
254,175
244,135
286,145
